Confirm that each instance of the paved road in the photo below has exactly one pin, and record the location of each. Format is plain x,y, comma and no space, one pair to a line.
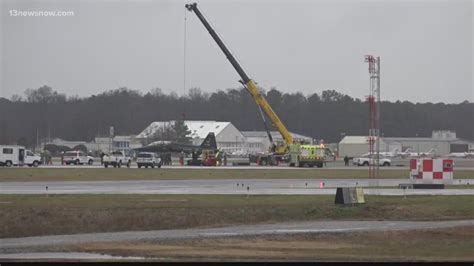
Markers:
402,163
260,229
460,164
224,186
251,167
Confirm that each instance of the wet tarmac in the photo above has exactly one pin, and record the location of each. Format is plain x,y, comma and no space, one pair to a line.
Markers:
226,187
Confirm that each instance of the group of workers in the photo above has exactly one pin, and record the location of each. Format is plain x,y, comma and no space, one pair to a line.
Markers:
46,157
165,158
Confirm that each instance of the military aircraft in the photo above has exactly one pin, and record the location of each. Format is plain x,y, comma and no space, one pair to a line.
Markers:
209,143
395,153
465,155
408,153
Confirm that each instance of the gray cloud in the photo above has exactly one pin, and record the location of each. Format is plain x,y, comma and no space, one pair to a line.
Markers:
426,46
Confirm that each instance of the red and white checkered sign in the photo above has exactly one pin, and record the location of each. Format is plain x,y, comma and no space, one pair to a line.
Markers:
429,170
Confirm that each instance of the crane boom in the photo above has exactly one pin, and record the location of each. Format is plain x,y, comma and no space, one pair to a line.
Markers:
249,83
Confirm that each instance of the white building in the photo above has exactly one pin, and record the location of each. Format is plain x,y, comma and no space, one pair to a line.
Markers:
442,142
101,144
228,137
107,144
353,146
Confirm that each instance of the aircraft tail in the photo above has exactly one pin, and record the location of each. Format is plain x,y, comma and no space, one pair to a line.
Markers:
209,142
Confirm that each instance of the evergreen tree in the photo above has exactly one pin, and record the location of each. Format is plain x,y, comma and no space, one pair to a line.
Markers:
181,131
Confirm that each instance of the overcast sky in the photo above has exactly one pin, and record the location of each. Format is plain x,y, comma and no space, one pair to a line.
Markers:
426,47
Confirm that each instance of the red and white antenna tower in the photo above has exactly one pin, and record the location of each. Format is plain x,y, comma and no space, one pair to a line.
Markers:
374,114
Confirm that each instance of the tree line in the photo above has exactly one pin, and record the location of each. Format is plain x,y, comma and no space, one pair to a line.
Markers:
44,113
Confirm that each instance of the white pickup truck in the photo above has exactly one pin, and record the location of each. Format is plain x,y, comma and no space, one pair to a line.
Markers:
369,160
32,159
117,159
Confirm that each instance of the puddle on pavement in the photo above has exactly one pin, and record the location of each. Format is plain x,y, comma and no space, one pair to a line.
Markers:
64,255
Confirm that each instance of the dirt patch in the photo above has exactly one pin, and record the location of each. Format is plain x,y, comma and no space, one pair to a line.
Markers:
452,244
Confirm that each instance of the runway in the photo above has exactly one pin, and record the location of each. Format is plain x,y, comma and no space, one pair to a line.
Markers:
459,164
249,167
259,229
397,164
226,187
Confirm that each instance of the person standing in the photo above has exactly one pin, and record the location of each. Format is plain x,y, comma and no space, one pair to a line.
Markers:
48,157
102,154
346,160
218,158
181,158
162,159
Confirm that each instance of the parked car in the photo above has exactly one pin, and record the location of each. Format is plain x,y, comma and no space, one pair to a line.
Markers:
237,159
370,160
77,157
117,159
148,159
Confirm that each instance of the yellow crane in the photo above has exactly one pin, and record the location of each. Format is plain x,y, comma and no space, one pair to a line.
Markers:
299,155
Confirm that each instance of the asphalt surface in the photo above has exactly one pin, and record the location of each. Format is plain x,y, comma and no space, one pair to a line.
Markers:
250,167
459,163
13,244
225,187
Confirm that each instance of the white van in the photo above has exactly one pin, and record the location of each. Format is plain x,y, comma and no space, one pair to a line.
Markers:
18,155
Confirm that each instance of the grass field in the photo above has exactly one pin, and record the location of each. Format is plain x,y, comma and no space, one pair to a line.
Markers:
451,244
31,215
88,174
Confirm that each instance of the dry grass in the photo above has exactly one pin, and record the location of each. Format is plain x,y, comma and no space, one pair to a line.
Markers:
31,215
451,244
